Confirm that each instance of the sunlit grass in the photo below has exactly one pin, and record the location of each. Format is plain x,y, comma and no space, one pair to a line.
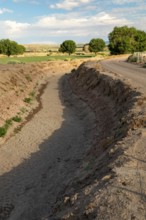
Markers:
5,60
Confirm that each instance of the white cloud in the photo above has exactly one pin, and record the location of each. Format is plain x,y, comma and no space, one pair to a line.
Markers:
5,10
70,4
64,26
73,20
13,29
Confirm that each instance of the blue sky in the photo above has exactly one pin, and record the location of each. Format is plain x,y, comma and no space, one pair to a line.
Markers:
48,21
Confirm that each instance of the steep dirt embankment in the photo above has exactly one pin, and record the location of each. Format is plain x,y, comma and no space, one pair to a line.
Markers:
110,184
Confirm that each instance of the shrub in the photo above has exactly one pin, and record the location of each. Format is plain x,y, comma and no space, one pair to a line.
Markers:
132,58
8,123
27,100
17,119
32,94
23,110
3,131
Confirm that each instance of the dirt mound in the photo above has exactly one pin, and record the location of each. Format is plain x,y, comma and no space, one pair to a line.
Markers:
110,184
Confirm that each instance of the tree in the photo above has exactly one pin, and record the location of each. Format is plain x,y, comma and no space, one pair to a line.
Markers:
140,39
123,40
9,47
21,49
68,46
96,45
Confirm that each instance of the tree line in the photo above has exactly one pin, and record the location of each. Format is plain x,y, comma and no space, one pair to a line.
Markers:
122,40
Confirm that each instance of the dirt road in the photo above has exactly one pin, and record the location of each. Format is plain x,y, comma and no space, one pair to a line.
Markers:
37,163
129,71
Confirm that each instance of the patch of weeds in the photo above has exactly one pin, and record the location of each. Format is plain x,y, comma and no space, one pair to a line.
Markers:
67,59
23,110
17,118
8,123
28,100
14,62
32,94
28,77
3,131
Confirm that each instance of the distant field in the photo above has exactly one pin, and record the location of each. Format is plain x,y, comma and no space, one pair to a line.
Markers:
48,47
5,60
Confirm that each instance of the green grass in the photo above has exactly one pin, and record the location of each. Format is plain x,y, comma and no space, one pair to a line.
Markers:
5,60
3,131
8,123
17,119
27,100
32,94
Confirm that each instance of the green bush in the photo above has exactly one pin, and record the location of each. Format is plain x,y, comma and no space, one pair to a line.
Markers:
17,119
32,94
27,100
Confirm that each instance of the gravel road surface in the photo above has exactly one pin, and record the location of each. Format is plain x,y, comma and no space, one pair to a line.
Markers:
133,72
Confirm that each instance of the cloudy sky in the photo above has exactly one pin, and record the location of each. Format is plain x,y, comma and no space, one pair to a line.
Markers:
53,21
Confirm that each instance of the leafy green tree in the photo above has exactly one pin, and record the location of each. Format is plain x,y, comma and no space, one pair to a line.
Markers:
21,49
68,46
140,39
96,45
123,40
9,47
